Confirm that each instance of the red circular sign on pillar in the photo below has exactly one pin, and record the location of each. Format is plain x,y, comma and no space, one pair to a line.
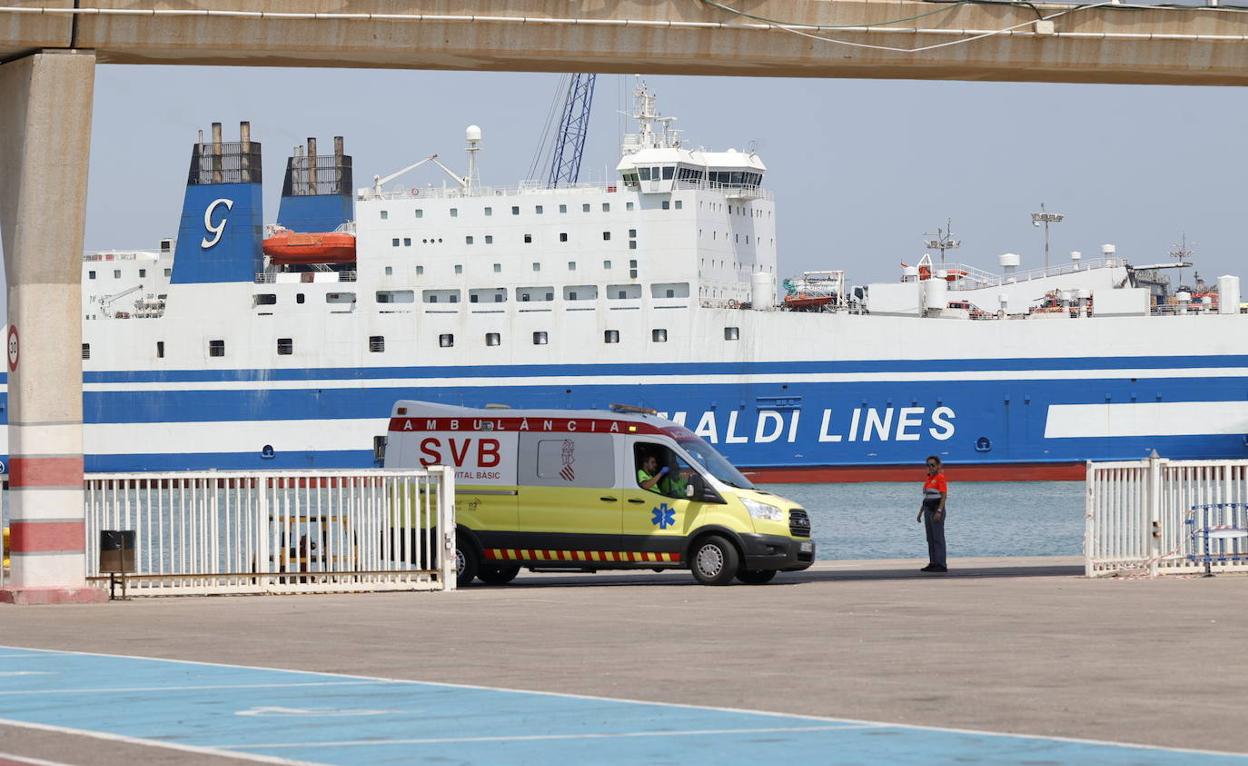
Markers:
13,348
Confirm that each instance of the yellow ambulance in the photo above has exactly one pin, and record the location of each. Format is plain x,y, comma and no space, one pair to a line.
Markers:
589,490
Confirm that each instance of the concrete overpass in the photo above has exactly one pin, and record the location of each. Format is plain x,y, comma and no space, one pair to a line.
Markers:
49,49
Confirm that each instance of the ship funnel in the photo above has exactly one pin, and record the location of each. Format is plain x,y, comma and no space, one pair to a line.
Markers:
316,192
222,212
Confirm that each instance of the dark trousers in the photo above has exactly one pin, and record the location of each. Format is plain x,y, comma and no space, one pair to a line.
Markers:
935,534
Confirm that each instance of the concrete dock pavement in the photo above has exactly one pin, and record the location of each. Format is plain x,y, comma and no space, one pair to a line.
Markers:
1023,646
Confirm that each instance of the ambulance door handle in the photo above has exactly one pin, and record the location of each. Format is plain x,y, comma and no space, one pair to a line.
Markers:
635,500
608,499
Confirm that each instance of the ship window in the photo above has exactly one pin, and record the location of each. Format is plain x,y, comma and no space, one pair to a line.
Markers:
285,346
86,351
632,273
420,270
493,339
396,296
265,299
216,348
535,294
459,269
606,264
407,242
632,244
563,208
142,273
670,290
394,242
732,333
420,213
299,298
440,296
515,210
498,268
489,239
468,240
389,271
167,272
446,340
658,336
160,349
680,204
644,173
580,292
385,215
628,206
454,214
340,297
571,265
632,233
563,236
487,295
540,338
528,239
623,292
611,336
90,275
585,208
376,344
668,172
489,211
537,209
666,205
537,266
606,236
606,207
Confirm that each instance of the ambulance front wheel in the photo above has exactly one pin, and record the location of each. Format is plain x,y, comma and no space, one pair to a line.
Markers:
467,564
715,561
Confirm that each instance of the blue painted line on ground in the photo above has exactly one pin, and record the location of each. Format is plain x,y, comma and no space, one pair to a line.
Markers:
333,719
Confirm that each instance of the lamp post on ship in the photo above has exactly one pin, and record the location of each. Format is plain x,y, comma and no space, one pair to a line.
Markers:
1046,218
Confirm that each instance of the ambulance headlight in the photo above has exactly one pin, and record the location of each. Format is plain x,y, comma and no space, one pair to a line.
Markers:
762,510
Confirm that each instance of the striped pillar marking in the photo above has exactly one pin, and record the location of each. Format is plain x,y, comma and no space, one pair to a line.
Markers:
50,471
46,536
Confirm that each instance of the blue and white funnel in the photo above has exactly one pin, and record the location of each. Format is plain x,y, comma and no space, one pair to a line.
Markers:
316,193
222,229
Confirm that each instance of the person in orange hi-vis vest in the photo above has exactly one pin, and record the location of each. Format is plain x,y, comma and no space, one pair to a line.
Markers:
932,515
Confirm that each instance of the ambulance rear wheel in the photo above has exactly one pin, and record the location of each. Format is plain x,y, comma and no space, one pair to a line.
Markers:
498,575
756,576
714,561
467,563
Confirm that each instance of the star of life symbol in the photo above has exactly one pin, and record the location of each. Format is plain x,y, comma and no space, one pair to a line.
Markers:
663,516
568,457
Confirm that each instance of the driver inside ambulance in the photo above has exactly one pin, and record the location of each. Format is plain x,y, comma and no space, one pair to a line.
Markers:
661,479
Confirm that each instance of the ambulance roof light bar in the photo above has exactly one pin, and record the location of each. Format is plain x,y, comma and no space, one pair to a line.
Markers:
633,409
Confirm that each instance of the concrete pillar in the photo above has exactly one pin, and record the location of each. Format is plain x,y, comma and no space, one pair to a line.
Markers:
45,134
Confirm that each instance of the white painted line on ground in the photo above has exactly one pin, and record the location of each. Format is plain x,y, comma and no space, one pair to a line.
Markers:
11,673
12,758
154,743
128,689
548,737
626,701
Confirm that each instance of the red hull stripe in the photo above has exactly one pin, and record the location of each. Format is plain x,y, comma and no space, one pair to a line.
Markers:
47,536
917,473
521,554
45,471
540,425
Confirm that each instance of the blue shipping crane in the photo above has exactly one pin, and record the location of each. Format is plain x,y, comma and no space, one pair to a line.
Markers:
565,166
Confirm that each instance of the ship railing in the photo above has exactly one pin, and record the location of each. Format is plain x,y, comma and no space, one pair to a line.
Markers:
1157,516
976,278
478,192
271,277
218,532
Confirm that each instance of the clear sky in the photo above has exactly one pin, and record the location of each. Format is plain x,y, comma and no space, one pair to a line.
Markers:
861,169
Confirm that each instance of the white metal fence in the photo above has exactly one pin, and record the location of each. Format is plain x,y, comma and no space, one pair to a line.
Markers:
277,532
1159,516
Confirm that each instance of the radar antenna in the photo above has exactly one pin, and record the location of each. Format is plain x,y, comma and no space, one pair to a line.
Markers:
943,240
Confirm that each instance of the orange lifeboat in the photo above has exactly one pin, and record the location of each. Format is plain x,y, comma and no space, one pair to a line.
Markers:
290,248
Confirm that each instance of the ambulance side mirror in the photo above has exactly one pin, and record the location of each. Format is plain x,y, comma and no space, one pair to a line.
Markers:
699,490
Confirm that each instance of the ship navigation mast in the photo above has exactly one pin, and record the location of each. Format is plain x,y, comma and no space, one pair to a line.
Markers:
943,240
1181,253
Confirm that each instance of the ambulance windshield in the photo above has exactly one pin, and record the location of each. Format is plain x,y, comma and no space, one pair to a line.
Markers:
715,464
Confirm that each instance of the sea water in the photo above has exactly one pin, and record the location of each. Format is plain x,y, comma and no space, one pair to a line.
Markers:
877,520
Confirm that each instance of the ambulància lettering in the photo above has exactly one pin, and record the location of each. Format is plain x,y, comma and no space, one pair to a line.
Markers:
860,424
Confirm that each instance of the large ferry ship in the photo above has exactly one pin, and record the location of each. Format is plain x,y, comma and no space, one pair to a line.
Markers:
240,346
